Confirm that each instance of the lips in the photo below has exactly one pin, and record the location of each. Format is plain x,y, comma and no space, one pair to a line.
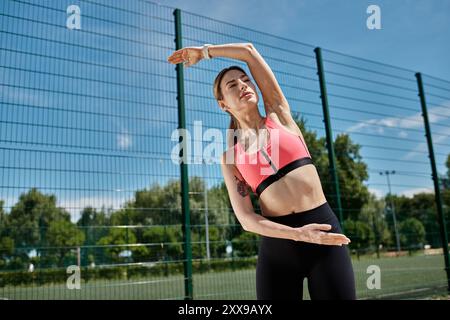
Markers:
245,94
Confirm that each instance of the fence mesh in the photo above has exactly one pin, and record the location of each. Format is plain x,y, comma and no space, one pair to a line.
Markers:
87,139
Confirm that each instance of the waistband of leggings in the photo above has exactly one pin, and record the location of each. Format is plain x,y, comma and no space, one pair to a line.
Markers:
320,214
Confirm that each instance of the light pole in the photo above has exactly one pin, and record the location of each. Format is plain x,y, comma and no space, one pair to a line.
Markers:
397,238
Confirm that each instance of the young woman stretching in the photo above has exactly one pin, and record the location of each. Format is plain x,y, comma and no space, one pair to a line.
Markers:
300,234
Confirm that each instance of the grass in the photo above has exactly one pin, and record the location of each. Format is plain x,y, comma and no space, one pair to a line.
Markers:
401,278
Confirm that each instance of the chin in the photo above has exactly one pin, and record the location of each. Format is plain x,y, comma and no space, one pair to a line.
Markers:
250,104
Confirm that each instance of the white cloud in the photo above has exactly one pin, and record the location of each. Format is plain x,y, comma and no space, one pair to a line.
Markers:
411,192
435,115
24,96
124,140
374,125
377,192
444,135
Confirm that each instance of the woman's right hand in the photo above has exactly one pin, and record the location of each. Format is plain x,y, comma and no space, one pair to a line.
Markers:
188,56
314,233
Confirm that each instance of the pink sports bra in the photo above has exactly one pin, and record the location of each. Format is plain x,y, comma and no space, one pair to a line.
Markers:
284,152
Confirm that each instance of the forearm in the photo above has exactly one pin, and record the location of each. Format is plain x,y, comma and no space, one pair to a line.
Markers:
265,227
239,51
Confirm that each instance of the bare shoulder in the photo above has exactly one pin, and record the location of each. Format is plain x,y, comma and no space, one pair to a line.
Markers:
288,124
228,165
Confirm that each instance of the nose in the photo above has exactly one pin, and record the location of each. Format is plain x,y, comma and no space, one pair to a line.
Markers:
243,85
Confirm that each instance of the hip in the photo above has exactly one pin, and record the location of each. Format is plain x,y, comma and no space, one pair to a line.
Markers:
320,214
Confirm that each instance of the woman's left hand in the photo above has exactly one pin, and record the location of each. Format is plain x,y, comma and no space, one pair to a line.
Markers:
188,55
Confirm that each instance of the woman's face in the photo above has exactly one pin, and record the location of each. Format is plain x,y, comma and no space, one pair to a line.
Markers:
234,84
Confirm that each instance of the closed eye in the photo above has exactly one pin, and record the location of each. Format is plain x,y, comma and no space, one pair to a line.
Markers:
234,84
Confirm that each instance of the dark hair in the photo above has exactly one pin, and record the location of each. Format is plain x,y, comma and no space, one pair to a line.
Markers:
234,123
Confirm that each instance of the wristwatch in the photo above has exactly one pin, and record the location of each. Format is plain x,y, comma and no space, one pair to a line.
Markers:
205,51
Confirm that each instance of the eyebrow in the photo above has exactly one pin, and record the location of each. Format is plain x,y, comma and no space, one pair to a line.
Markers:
244,75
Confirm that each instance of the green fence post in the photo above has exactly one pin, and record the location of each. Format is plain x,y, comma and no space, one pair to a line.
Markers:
329,135
437,192
183,166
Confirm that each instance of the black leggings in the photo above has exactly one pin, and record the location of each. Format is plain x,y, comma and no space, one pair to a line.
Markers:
283,264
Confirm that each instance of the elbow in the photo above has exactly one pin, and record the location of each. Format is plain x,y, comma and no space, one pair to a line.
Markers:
250,47
243,223
246,225
250,50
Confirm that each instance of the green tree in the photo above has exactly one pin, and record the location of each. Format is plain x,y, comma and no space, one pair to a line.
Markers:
352,171
373,214
91,217
6,242
164,242
94,223
117,242
412,233
421,206
28,224
219,206
6,250
31,216
446,205
64,236
447,164
360,234
161,205
3,219
246,244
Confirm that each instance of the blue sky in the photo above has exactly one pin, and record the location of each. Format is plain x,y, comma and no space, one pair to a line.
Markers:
98,110
414,33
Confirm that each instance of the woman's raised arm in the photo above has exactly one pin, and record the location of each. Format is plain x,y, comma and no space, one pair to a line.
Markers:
192,55
272,95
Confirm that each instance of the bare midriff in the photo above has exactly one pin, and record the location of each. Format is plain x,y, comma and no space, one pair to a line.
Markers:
299,190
